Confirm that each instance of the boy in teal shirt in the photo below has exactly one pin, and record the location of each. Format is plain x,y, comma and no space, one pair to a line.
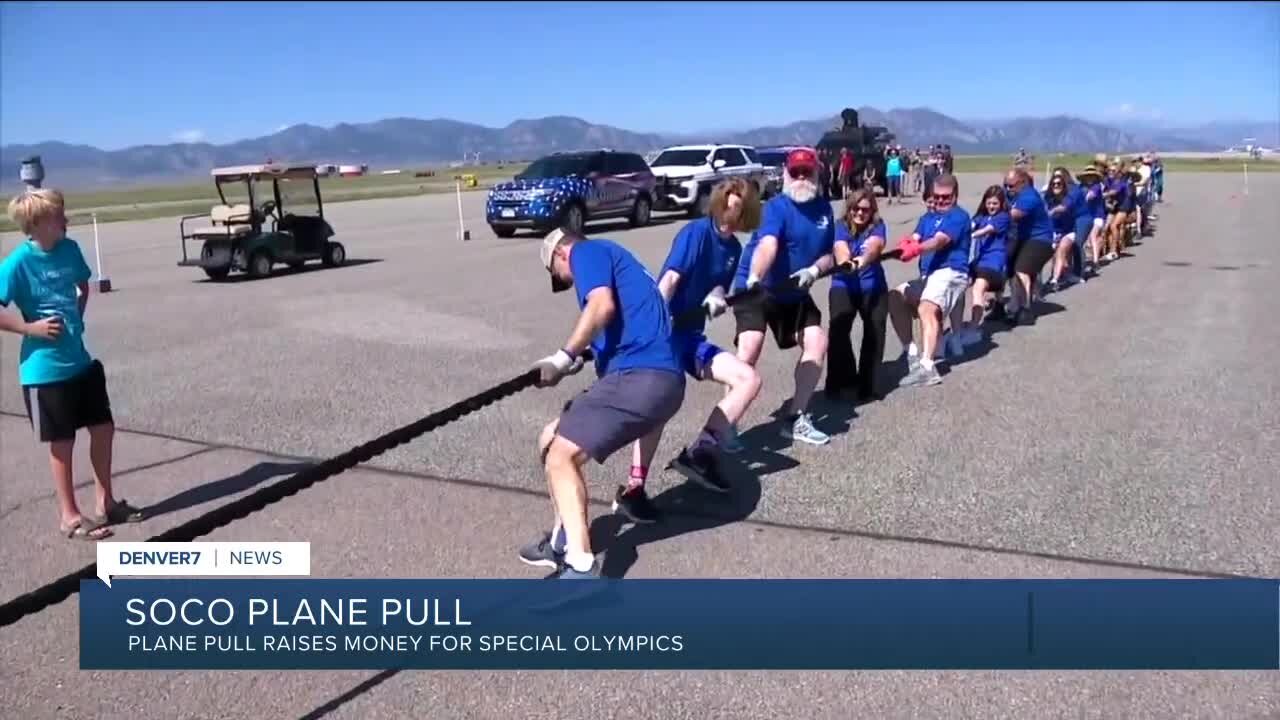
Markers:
63,387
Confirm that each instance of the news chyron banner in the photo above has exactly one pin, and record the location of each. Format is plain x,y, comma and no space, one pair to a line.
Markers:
276,622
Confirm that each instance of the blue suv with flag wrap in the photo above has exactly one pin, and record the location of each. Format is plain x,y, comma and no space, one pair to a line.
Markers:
572,189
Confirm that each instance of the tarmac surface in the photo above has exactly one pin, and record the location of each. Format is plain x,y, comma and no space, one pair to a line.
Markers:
1130,433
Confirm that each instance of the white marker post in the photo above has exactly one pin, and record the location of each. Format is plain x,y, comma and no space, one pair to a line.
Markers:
1246,178
462,229
103,282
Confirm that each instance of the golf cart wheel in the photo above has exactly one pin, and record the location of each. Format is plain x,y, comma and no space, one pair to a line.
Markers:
208,255
574,217
260,264
334,254
641,212
503,232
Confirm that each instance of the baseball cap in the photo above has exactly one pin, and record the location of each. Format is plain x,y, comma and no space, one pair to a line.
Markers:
801,158
553,240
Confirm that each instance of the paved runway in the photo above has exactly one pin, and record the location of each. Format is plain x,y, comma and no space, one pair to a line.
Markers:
1130,433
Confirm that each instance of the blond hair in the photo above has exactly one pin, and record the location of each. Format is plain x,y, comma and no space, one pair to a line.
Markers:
33,207
749,216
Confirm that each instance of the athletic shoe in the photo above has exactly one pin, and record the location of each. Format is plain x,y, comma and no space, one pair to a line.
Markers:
541,553
635,505
568,573
1025,317
701,470
731,443
921,376
804,431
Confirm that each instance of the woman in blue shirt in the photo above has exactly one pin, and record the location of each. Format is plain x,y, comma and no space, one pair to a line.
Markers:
860,238
1117,195
989,258
1065,203
1091,185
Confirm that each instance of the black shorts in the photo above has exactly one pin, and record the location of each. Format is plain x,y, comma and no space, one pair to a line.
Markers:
785,320
58,410
1032,256
994,278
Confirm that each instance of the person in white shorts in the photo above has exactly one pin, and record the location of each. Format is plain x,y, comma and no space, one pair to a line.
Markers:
941,241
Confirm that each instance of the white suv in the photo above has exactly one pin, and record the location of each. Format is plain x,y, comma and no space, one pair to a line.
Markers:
686,174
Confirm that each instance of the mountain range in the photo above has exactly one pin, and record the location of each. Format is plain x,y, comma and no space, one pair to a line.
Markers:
408,142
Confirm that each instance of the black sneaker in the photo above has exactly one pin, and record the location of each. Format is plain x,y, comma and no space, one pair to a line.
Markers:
702,471
635,505
1025,317
540,553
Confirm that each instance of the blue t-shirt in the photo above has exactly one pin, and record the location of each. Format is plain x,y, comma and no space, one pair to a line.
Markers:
871,280
805,233
1121,185
1093,200
1065,221
1035,224
956,224
639,335
704,260
895,167
991,251
43,284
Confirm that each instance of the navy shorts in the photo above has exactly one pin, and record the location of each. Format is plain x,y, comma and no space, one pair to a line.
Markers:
695,353
620,408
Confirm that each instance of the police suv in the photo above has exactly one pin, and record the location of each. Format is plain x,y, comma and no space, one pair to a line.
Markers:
686,174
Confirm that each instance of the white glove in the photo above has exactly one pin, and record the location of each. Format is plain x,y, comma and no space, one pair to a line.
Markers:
554,367
806,277
715,304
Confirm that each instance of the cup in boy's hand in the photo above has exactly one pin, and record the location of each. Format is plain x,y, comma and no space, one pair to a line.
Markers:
46,328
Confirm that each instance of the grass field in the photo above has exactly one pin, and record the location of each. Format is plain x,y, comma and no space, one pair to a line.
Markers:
189,199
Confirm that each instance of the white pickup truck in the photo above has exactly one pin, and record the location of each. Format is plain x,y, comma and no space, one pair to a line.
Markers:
686,174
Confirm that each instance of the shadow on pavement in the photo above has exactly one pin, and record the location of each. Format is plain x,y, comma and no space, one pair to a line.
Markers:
685,508
283,272
216,489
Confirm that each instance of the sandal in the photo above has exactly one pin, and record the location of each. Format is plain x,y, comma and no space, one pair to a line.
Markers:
120,512
86,529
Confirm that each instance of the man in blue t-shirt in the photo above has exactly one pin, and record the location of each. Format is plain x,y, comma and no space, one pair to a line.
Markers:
789,252
941,240
63,387
1033,242
640,385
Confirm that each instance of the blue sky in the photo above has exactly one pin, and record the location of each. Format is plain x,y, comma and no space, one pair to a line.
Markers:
119,74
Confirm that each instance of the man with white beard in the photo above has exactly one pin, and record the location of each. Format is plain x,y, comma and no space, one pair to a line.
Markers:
790,250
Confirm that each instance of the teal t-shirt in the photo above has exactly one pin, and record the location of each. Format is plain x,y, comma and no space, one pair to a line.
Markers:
41,284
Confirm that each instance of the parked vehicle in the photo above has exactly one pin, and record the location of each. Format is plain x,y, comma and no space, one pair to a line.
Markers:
688,172
251,237
572,189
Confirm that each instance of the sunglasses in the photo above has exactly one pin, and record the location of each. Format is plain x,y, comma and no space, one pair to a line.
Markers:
862,209
940,197
801,172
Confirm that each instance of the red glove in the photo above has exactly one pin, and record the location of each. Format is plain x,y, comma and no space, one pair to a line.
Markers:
910,249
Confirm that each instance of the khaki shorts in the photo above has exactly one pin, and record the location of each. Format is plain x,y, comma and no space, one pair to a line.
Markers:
944,288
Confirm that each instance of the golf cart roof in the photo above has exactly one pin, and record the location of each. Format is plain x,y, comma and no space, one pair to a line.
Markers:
271,170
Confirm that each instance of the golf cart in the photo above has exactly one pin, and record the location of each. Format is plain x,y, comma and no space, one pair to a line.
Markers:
252,230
